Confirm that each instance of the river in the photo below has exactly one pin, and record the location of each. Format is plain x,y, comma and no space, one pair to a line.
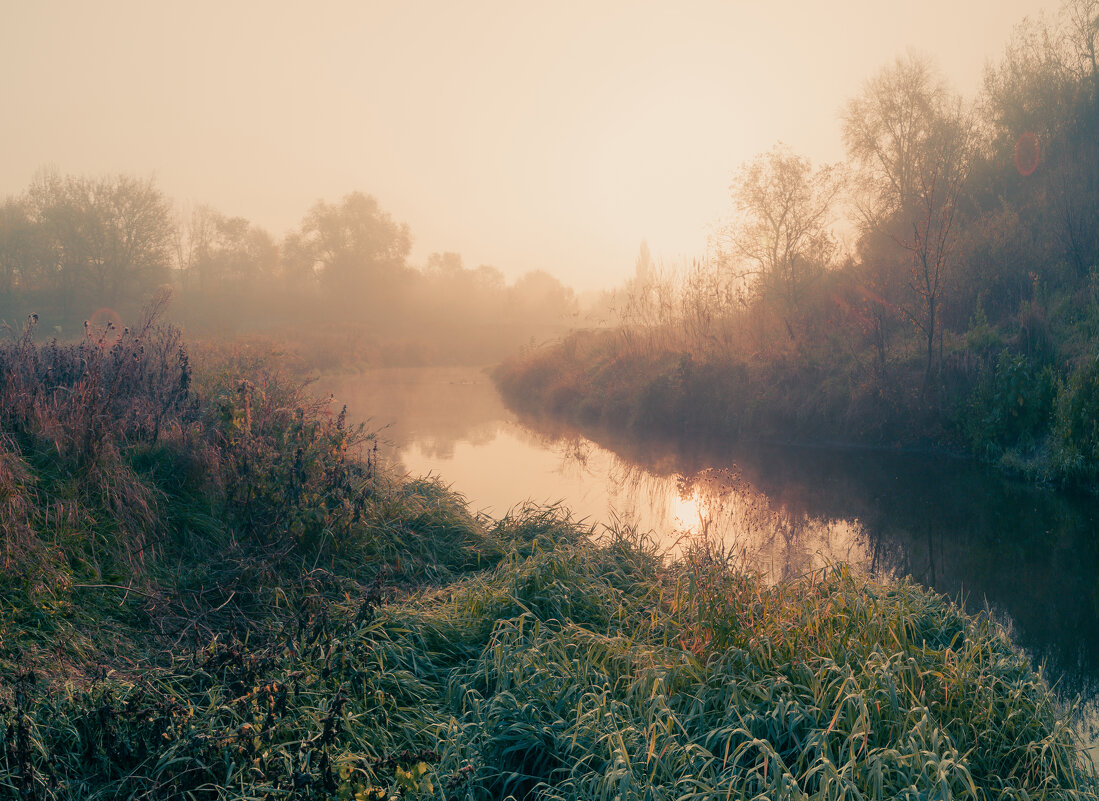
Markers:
1029,556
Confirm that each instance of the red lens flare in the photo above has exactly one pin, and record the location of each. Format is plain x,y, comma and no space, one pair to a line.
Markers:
104,327
1027,153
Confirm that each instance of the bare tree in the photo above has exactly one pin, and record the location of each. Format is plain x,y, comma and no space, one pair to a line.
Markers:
782,233
1083,25
913,140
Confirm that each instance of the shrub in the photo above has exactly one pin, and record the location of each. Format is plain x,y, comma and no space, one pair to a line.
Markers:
1012,405
1076,434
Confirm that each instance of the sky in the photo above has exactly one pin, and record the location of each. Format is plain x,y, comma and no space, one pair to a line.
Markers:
526,135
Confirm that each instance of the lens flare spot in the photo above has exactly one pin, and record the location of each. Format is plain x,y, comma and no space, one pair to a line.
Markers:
104,327
1027,153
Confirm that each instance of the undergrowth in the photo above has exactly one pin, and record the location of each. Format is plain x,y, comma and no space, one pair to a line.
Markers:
1031,414
597,378
211,590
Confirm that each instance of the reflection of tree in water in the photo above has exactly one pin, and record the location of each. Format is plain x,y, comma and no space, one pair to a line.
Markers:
437,408
778,537
575,453
442,446
717,503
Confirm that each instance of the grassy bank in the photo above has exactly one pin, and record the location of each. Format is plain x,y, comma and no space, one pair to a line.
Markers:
210,590
601,377
1028,415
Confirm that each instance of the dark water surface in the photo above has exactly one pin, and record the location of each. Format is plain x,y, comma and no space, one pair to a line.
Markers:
1029,556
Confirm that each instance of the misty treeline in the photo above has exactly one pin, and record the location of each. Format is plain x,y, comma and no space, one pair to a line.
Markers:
339,288
938,285
947,214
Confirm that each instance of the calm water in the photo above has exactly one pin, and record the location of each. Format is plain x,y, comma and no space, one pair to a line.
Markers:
1029,556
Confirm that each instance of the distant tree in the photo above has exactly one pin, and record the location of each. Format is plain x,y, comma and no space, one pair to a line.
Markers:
23,250
478,289
444,265
539,298
1042,97
299,265
111,239
183,249
448,293
195,237
782,231
232,254
230,272
913,141
355,248
463,310
489,277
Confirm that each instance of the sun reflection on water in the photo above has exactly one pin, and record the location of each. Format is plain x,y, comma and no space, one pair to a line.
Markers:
687,514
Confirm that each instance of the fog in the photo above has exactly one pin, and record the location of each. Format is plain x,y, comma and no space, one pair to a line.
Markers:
528,137
82,256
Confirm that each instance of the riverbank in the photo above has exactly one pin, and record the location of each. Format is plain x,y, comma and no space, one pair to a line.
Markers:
211,587
593,378
1028,421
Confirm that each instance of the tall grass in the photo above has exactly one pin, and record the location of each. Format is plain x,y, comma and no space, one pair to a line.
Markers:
577,672
238,602
124,467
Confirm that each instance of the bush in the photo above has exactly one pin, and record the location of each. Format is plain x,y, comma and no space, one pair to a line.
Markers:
1012,405
140,499
1076,435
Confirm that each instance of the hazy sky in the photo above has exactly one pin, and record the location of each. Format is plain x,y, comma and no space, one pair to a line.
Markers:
549,135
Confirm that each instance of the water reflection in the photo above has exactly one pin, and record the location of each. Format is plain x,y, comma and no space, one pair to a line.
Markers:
433,408
1029,556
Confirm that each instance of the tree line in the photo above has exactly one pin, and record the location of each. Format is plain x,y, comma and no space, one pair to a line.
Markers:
953,205
940,283
72,244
